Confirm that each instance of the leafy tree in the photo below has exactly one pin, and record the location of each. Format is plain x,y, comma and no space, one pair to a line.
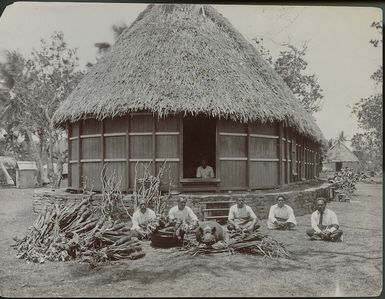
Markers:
369,112
266,54
35,88
291,65
14,103
378,25
54,66
367,149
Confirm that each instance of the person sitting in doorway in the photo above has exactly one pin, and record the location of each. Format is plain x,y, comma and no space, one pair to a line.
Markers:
324,224
242,218
281,216
205,171
141,218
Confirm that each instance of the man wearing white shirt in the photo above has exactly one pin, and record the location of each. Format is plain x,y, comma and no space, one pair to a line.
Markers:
242,217
205,171
182,218
281,216
324,224
141,218
182,213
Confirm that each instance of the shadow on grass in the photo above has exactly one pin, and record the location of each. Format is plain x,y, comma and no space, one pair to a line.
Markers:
114,272
330,254
378,230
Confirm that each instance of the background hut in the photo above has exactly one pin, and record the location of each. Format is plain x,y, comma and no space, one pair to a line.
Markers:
26,174
340,156
181,84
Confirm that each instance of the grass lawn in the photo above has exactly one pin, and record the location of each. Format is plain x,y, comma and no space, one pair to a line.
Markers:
350,268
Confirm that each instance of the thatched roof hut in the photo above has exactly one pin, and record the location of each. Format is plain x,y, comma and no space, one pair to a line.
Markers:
177,60
185,58
339,156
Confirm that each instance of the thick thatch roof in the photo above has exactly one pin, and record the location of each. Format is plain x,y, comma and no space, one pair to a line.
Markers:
339,152
178,58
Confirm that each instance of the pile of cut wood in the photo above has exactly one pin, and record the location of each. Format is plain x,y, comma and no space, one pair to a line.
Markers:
254,243
80,231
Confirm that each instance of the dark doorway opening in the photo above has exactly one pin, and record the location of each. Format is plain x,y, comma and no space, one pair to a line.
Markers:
198,144
338,166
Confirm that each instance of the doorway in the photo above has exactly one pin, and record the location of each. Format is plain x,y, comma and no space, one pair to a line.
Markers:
198,143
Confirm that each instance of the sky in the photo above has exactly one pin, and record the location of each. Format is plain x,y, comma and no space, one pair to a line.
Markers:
339,52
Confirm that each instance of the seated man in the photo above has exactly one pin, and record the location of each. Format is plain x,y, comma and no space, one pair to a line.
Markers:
324,224
183,218
241,217
140,219
281,216
205,171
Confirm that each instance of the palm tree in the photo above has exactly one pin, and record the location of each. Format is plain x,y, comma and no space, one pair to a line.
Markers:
104,47
342,137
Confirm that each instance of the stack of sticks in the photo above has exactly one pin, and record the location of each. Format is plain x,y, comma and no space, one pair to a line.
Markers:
254,243
148,186
80,231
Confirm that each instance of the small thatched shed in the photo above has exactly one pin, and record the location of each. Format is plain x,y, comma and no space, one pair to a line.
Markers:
181,84
340,156
26,174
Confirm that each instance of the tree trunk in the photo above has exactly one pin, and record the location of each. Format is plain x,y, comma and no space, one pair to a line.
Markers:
61,159
43,156
36,156
51,172
8,178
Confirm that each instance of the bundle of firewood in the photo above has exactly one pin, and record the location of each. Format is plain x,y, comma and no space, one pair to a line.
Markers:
254,243
80,231
257,243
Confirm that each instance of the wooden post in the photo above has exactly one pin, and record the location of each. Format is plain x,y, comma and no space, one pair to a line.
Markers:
280,172
299,164
303,165
314,160
79,155
153,146
311,160
128,153
248,166
287,155
102,149
305,155
180,149
69,132
307,159
293,151
217,153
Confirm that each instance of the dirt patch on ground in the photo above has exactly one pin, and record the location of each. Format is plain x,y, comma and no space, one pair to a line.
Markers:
350,268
